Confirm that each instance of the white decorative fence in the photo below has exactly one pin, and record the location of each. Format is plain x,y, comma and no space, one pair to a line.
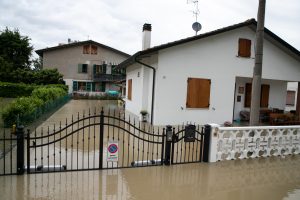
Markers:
230,143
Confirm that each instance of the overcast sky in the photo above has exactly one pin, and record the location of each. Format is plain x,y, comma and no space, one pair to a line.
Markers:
118,23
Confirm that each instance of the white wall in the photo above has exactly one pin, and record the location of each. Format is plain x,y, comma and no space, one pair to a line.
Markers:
135,104
212,58
69,83
215,58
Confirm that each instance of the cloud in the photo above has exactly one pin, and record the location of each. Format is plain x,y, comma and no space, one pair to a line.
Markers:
119,23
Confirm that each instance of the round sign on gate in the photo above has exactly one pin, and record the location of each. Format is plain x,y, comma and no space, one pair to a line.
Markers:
112,151
112,148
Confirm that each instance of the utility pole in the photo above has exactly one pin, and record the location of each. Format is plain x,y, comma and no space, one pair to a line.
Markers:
257,71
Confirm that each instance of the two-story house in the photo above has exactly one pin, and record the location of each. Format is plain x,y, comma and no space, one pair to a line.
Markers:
87,66
207,78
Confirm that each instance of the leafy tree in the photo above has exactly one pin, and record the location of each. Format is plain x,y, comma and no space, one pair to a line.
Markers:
37,64
15,49
5,69
48,76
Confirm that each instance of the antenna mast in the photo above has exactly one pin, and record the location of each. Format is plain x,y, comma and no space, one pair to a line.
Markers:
196,25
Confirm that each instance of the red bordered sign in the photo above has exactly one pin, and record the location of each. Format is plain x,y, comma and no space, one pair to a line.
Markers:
112,151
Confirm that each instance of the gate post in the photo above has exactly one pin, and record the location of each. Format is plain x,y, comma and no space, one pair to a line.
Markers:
169,139
207,132
210,142
101,139
28,151
20,150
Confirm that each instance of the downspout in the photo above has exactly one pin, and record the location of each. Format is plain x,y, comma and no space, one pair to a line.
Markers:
153,86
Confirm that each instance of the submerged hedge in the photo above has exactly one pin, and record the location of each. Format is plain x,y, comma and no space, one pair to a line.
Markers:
14,90
32,105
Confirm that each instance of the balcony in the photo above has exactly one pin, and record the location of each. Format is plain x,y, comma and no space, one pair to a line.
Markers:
108,77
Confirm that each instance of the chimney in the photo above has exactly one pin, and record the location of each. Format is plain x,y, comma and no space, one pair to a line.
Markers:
146,36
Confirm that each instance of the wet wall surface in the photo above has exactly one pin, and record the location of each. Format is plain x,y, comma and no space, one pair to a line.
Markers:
266,178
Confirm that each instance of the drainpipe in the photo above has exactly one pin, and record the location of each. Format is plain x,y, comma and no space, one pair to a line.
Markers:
153,85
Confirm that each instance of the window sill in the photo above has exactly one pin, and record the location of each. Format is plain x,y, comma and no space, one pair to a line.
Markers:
245,57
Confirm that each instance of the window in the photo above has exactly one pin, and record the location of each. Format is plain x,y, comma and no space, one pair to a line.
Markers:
100,69
75,85
86,49
94,50
82,68
129,92
198,93
264,95
290,98
81,86
244,48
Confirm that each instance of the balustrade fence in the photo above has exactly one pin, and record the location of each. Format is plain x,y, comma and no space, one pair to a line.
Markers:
231,143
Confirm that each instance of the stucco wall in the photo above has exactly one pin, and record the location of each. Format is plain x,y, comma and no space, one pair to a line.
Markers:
135,73
215,58
66,60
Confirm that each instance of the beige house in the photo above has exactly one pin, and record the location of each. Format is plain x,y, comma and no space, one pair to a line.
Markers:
87,66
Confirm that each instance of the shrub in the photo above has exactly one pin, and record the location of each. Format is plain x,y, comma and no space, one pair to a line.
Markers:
29,108
48,93
14,90
21,106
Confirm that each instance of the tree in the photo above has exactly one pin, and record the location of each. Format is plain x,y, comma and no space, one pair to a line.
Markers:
15,49
37,64
257,71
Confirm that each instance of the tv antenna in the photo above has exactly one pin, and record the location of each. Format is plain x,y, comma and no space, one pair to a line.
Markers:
196,25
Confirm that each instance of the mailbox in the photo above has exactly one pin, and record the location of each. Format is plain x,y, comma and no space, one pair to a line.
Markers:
169,133
189,133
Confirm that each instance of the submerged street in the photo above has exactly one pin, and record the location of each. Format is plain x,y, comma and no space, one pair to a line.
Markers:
260,179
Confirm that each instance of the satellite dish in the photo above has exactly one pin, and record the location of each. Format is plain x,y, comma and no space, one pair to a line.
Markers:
196,26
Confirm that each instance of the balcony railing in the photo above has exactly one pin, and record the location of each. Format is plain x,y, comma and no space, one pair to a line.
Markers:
108,77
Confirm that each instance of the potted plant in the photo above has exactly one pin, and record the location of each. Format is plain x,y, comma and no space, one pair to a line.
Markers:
144,114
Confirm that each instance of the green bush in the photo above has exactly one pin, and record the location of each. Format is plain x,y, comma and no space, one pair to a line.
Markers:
21,106
48,93
14,90
64,87
29,108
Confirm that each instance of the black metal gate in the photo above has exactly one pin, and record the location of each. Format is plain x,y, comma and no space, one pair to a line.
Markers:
185,143
104,141
107,140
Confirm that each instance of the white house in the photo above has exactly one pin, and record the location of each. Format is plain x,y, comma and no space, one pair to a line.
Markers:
207,78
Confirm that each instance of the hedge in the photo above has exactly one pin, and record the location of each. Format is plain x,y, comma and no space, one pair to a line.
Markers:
32,105
14,90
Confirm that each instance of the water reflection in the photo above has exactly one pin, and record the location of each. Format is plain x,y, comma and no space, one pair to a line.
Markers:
269,178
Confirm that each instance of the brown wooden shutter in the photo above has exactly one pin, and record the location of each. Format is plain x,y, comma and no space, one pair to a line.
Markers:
198,93
290,98
244,48
264,96
248,90
129,93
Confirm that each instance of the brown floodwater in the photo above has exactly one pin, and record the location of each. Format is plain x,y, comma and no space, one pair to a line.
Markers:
260,179
273,178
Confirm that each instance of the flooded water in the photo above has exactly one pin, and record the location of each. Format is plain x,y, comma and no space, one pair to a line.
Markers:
273,178
260,179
